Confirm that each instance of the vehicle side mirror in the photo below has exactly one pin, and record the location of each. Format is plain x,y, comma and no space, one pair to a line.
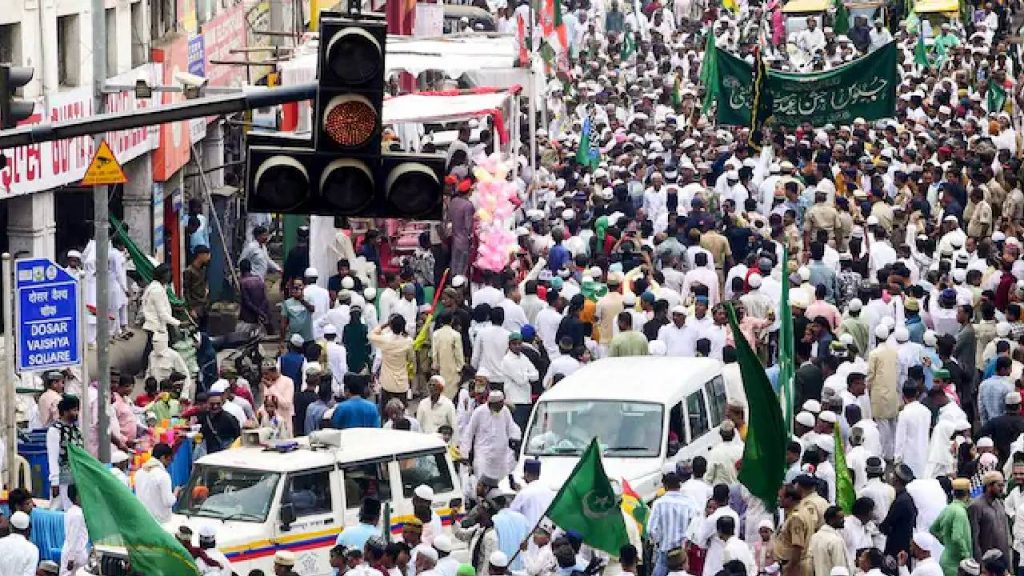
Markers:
673,447
287,515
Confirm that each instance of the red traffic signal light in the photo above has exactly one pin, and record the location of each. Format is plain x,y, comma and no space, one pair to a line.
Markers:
350,96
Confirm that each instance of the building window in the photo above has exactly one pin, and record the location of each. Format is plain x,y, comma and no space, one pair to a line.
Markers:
10,44
163,18
139,45
68,51
111,15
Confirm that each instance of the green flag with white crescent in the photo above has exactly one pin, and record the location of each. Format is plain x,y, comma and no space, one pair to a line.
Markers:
586,503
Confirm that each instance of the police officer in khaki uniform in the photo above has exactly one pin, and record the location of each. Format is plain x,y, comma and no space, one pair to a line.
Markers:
822,216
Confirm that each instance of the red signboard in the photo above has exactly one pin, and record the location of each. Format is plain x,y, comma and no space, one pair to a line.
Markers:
174,149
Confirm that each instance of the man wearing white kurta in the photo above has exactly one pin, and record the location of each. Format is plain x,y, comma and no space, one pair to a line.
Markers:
319,297
487,437
20,557
910,444
153,484
533,500
75,552
437,410
517,372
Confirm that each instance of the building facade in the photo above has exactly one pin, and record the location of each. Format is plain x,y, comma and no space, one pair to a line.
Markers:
43,210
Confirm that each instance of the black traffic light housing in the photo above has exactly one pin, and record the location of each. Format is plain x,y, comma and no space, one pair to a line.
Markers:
304,181
350,96
13,110
343,171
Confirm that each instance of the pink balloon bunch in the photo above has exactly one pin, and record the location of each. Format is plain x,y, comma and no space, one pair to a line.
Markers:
495,199
491,166
495,246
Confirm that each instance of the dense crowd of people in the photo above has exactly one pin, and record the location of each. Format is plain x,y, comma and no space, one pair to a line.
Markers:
900,241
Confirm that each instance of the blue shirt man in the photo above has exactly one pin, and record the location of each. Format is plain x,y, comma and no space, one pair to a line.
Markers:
356,536
356,412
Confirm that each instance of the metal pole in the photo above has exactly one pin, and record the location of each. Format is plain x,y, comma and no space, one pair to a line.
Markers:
209,106
83,409
10,418
101,219
532,108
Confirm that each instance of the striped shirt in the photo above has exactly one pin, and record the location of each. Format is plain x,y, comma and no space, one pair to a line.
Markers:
670,517
992,397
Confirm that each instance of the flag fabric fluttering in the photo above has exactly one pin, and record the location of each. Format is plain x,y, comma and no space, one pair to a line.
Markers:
787,350
995,97
586,503
764,450
634,505
587,154
761,107
709,72
841,25
921,53
115,517
524,53
628,46
844,483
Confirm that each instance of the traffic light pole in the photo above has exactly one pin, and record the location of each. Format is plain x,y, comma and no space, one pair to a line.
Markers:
102,225
197,108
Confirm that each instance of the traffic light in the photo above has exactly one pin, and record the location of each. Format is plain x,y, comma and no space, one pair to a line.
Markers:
13,110
304,181
345,172
349,99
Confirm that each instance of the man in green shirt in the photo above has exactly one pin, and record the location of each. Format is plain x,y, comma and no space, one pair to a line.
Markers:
944,41
627,342
953,528
166,405
297,314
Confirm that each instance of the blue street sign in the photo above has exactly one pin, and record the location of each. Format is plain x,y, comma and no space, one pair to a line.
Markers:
46,316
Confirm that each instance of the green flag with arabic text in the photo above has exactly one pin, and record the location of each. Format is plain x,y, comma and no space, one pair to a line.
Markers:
864,88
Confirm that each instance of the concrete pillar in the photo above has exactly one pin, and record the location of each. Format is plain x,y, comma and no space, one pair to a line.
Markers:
31,228
213,154
138,202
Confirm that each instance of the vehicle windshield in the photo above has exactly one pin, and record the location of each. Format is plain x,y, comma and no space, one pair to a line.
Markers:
228,494
623,428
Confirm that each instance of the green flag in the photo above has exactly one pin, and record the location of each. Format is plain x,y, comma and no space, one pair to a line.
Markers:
842,21
115,517
709,72
677,97
586,503
787,349
995,97
764,451
865,87
587,154
628,46
844,483
921,53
